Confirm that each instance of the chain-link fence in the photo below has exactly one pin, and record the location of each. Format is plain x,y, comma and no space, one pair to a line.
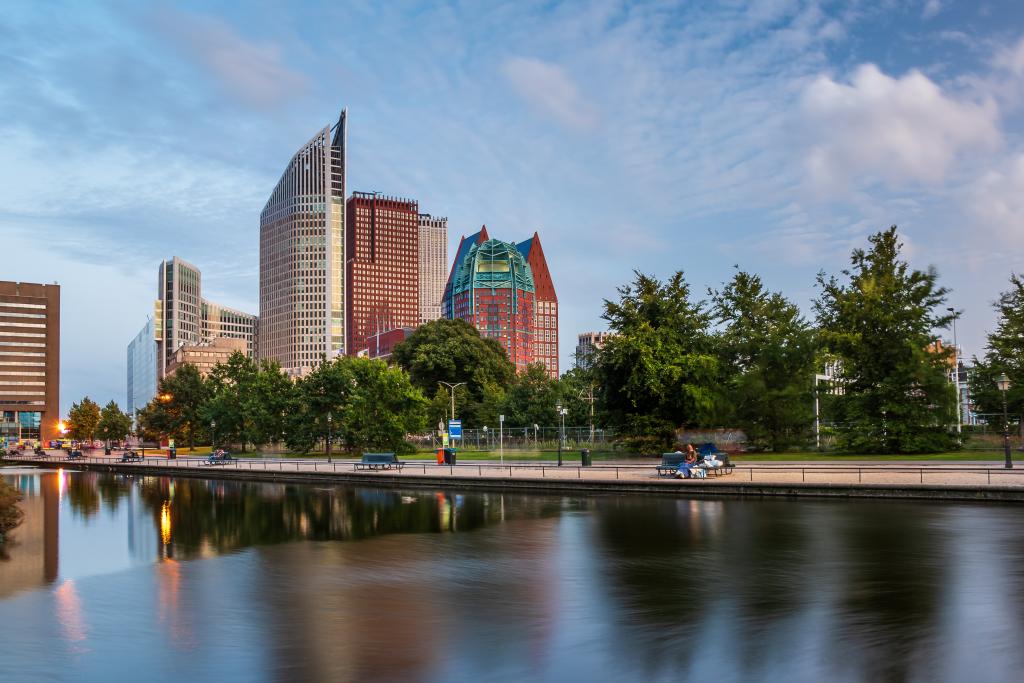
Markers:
526,438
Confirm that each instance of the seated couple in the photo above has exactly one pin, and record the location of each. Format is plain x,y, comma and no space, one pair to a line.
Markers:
693,466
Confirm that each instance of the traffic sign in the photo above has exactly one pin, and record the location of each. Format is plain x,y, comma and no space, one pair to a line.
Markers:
455,429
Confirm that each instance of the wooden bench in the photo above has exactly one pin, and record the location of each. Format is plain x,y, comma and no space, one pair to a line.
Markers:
670,462
75,455
131,456
710,449
379,461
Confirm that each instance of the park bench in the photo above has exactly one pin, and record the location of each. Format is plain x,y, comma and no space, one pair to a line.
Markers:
709,449
75,455
670,462
379,461
131,456
221,459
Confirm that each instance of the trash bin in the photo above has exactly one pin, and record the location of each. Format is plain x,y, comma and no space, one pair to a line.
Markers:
440,455
585,460
449,456
172,453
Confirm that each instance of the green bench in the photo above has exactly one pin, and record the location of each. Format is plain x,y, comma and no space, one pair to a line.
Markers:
670,462
379,461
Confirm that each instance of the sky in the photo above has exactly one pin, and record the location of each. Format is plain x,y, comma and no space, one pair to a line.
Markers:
652,136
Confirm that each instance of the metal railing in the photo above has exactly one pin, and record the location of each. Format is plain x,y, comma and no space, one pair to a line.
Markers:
763,473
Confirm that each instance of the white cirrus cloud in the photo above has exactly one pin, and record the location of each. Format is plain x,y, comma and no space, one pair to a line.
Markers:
549,89
898,130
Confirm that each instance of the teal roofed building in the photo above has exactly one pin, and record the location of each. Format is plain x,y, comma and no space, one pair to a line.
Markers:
491,286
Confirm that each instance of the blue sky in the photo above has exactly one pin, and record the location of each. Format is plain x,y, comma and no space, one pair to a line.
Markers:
656,136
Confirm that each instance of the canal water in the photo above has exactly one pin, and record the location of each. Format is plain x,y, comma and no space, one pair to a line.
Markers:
114,577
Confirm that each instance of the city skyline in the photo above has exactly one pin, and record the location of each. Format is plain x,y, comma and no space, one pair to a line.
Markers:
775,137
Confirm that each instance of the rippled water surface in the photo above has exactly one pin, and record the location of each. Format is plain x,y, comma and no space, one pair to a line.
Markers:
150,578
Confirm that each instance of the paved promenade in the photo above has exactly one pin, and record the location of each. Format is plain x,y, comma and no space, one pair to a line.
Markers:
981,480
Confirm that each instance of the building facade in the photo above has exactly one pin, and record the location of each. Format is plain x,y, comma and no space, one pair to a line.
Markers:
381,345
433,265
545,331
302,256
142,368
506,296
221,322
179,309
382,243
492,288
587,344
205,355
29,361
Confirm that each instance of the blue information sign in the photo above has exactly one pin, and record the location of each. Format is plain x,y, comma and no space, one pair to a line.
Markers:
455,429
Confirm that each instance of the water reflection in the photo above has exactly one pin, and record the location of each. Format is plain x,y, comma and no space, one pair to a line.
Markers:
299,583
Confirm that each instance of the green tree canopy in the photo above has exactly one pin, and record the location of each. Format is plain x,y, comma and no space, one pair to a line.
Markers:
896,396
660,371
84,419
114,424
768,356
178,410
1004,353
248,402
362,403
531,398
453,351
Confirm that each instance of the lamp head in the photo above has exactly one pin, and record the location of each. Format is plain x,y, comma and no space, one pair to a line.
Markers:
1003,382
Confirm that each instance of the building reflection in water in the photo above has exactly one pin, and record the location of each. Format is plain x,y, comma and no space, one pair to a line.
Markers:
33,552
69,615
380,585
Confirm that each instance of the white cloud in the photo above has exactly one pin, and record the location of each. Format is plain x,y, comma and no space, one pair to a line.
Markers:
901,130
548,88
995,202
1011,58
254,72
931,8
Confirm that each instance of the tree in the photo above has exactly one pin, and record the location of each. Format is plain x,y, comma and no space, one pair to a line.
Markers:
114,425
177,411
768,354
660,371
382,408
83,419
10,513
453,351
362,403
531,398
1004,353
248,401
896,396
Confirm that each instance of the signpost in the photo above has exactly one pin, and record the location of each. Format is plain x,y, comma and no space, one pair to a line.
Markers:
501,438
455,429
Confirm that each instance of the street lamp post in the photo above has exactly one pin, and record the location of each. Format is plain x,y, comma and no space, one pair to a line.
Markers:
501,438
213,434
956,376
560,411
1004,386
329,418
451,389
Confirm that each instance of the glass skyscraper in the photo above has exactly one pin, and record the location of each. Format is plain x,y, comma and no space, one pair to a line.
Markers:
302,256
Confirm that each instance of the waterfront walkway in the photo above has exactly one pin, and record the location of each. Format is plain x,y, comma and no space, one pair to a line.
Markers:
983,480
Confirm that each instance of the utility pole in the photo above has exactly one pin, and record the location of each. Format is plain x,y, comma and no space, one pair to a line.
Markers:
588,396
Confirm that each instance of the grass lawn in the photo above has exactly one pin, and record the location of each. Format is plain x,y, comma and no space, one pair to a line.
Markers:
832,457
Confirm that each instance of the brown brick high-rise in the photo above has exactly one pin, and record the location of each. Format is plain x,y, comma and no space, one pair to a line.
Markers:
29,361
382,245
